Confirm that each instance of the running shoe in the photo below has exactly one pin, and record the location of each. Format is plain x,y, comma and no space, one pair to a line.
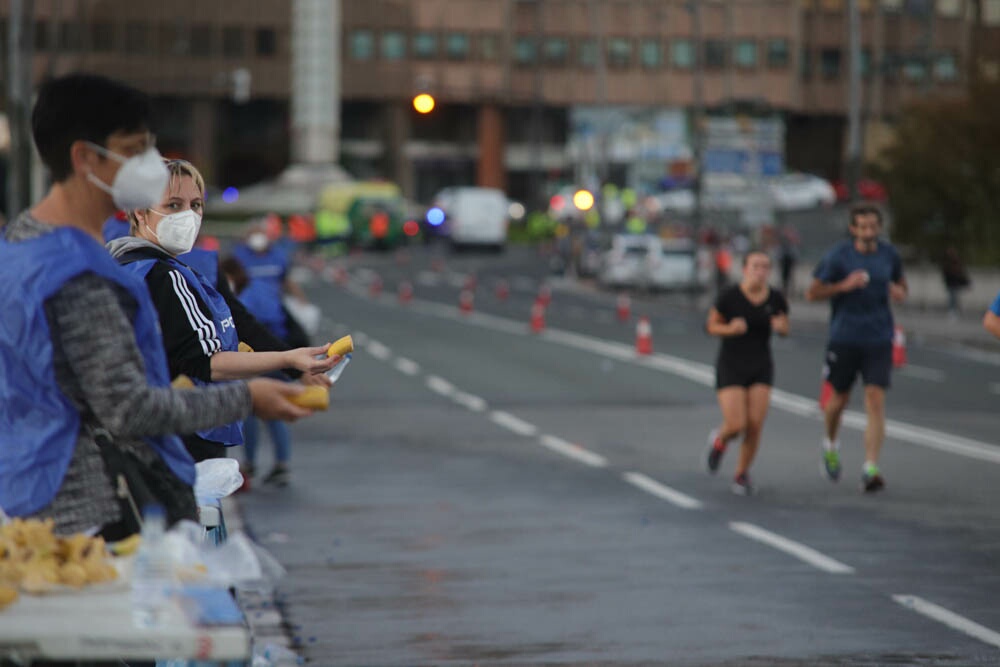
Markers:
716,448
742,486
830,466
871,480
279,476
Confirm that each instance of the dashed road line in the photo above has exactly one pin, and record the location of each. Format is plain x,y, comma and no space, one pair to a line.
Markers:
440,386
672,496
512,423
573,451
802,552
407,366
470,401
378,350
949,618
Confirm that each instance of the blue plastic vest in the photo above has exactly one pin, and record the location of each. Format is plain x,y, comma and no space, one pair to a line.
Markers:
39,426
116,229
205,262
225,329
267,274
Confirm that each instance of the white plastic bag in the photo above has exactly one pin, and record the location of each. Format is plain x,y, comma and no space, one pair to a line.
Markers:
216,478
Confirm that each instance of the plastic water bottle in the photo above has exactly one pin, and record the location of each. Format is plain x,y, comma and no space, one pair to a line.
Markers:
152,571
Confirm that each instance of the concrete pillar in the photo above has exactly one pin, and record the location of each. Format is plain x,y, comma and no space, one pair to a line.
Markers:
398,166
201,144
490,169
315,81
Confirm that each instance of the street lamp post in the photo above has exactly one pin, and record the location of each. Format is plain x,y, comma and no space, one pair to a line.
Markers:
697,120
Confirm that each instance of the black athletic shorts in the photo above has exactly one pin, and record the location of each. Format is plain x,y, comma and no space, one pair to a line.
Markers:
730,375
844,362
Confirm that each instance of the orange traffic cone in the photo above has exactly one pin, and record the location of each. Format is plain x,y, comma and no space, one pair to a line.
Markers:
643,336
375,287
537,317
465,301
503,290
623,308
405,292
544,295
898,348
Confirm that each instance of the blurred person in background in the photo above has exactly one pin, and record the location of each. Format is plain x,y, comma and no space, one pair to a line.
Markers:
200,334
860,276
956,279
744,316
84,385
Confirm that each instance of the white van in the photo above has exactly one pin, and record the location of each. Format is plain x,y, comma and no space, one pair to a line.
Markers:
476,217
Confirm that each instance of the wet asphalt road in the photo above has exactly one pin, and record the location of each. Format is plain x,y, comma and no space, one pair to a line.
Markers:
478,494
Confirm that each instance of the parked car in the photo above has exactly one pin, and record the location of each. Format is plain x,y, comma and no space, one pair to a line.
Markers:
796,192
671,265
624,264
867,189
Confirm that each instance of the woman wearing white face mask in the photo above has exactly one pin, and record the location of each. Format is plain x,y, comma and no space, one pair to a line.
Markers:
199,331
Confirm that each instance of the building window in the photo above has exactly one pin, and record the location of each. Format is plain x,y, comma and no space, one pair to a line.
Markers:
919,8
777,53
555,51
829,63
393,45
265,42
173,39
890,65
525,51
425,45
201,40
70,36
362,45
991,12
866,63
489,47
651,53
456,46
892,5
915,69
41,36
682,53
945,67
715,54
950,8
619,52
136,38
587,53
102,37
745,53
232,42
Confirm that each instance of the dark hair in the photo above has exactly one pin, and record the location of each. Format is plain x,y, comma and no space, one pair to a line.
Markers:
233,269
83,107
755,251
865,209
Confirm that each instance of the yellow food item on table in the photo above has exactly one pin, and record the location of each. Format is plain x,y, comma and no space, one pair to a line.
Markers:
36,560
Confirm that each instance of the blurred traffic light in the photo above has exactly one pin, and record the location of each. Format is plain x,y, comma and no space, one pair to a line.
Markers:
424,103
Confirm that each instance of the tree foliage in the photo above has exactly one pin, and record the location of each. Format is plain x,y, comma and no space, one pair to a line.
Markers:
942,171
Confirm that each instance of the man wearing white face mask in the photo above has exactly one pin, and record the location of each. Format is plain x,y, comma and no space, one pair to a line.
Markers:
200,333
84,387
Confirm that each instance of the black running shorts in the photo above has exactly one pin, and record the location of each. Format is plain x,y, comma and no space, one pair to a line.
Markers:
728,375
844,362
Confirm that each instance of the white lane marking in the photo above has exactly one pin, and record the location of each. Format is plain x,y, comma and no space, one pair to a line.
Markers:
512,423
470,401
440,385
573,451
407,366
662,491
922,373
360,337
790,547
703,374
378,350
949,618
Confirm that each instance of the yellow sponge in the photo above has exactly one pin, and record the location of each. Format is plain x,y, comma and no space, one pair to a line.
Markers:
313,397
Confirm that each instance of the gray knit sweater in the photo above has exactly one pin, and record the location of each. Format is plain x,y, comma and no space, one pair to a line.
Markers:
99,368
